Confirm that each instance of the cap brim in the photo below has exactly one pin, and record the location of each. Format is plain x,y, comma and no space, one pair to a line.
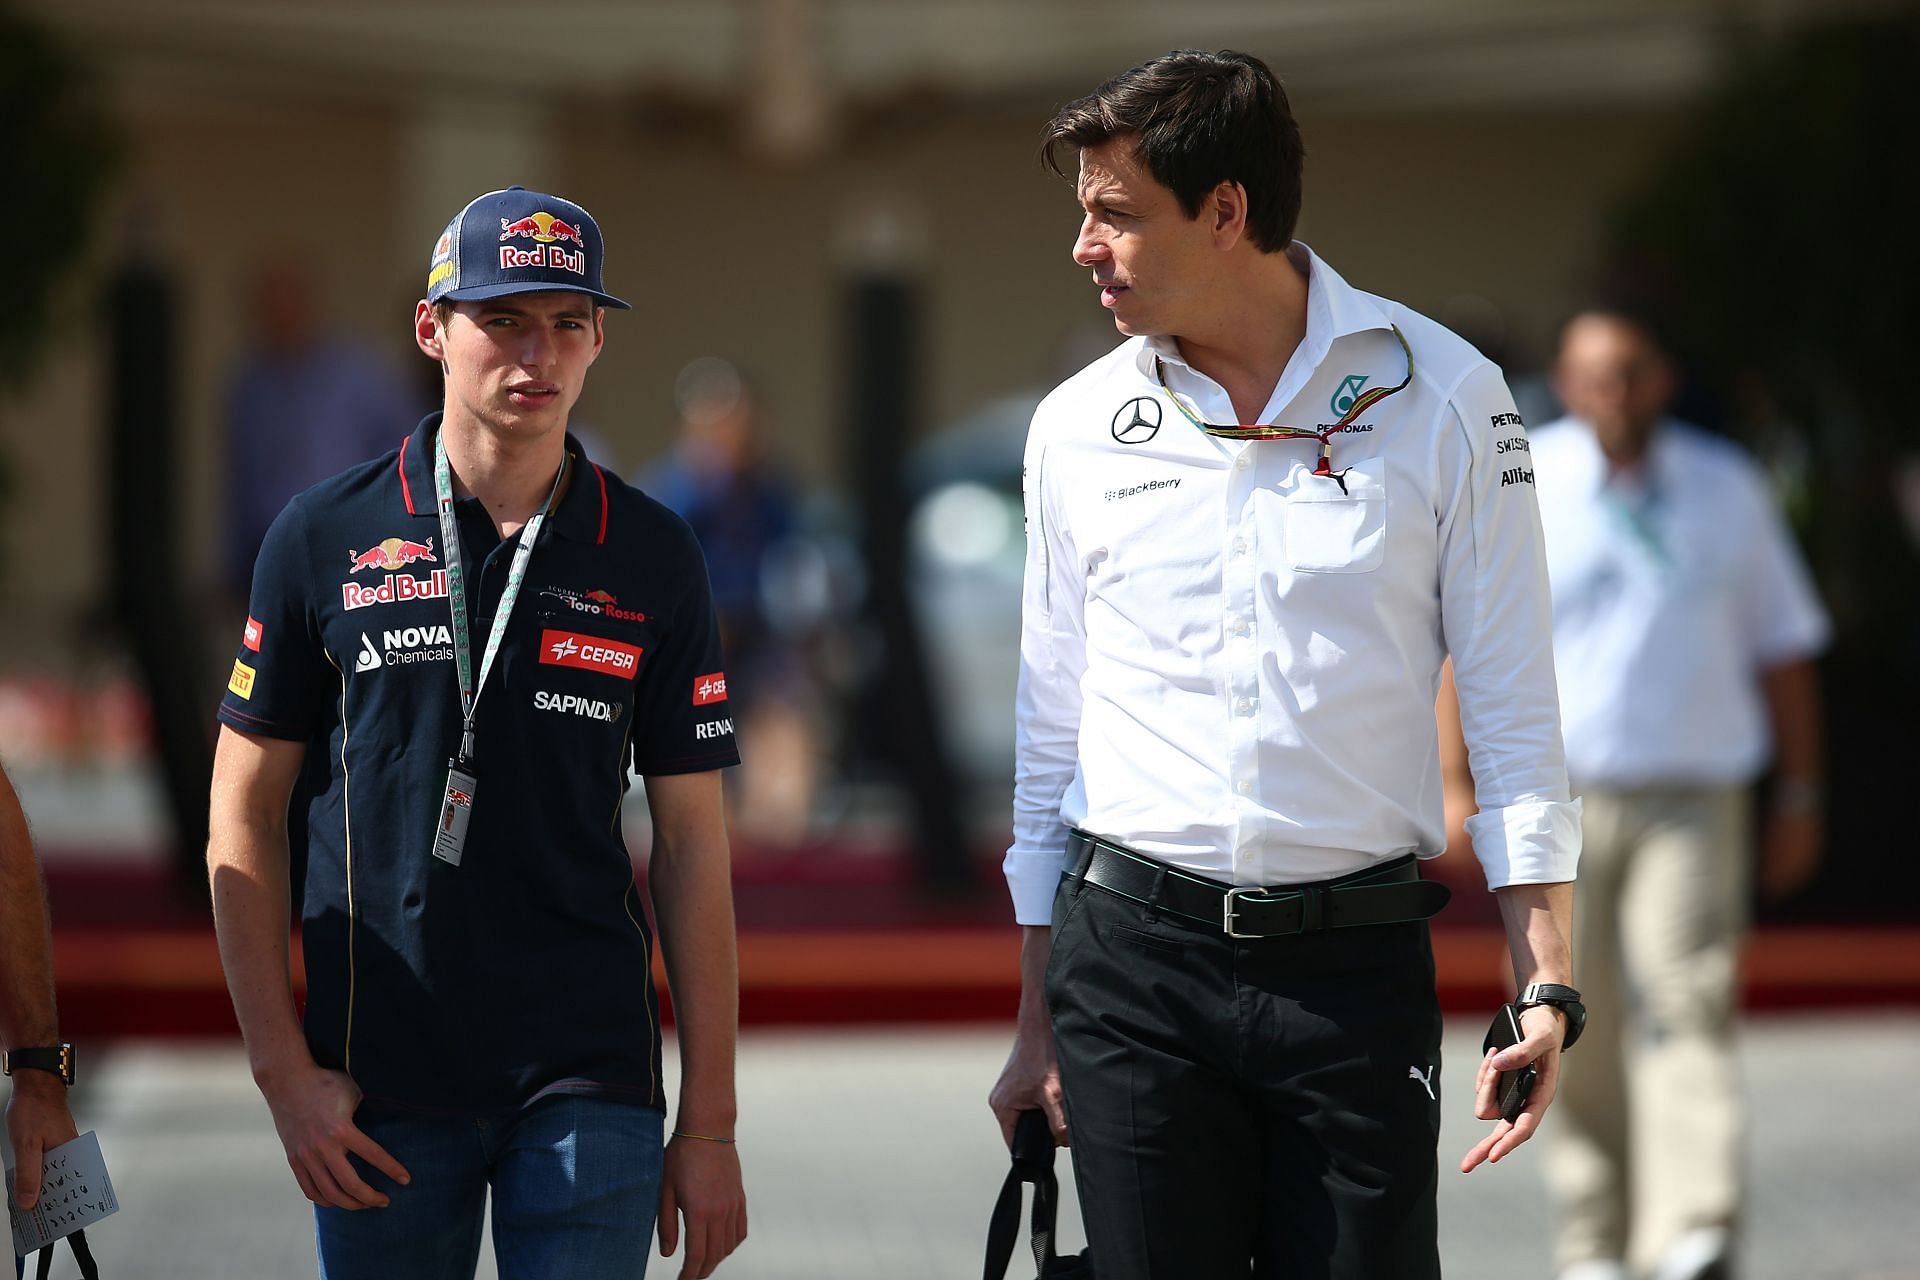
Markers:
479,292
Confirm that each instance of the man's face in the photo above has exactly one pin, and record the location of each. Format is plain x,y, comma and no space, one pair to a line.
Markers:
1611,374
1151,262
517,363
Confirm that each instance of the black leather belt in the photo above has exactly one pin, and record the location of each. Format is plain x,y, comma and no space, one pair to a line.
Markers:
1389,894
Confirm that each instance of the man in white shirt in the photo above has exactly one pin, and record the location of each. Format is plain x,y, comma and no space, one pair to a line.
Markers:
1227,760
1684,632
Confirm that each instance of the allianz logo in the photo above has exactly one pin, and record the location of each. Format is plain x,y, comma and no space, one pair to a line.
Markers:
404,647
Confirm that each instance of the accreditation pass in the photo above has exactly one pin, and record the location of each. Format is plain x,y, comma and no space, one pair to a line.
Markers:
456,810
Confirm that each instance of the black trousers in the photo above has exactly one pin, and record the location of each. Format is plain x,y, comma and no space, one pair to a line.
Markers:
1265,1107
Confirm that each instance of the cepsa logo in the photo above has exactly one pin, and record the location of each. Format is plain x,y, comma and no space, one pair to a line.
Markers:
710,689
397,586
251,636
589,653
390,554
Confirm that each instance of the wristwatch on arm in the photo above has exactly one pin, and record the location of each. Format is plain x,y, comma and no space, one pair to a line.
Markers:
1557,996
56,1058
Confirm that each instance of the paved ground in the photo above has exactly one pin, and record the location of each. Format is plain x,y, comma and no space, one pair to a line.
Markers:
871,1155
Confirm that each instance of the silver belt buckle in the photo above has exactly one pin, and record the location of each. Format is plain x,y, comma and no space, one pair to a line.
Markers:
1228,915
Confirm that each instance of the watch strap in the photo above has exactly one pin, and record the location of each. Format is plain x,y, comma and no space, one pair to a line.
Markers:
57,1058
1562,997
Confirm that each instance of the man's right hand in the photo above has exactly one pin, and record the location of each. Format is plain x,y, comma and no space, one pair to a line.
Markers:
1031,1079
313,1110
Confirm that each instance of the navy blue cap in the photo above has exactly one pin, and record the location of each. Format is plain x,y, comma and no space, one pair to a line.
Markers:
518,241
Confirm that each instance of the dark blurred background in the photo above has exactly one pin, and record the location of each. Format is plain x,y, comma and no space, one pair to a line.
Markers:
852,283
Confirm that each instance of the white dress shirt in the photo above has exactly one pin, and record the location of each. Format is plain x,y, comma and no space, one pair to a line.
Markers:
1229,664
1673,588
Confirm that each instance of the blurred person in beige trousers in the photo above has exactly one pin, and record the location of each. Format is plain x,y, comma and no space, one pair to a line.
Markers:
1684,632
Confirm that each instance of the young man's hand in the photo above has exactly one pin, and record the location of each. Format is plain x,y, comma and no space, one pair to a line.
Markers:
313,1110
700,1185
37,1121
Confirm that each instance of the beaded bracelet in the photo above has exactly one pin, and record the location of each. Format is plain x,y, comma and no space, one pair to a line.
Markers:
678,1133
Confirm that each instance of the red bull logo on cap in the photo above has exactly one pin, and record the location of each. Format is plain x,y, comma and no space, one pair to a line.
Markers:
542,227
390,554
553,256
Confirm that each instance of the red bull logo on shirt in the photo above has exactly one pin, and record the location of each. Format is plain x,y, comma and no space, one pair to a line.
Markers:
396,587
390,554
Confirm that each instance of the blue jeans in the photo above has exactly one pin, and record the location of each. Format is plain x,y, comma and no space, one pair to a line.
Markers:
576,1188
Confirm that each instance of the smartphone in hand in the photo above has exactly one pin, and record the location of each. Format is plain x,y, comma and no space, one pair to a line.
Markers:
1510,1093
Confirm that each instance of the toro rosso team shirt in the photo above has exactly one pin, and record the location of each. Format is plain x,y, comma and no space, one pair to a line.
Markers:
524,970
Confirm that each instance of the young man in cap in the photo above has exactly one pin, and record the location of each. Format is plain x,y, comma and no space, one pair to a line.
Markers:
483,633
1255,531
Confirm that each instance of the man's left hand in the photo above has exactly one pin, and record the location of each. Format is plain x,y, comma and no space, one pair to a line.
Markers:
700,1187
37,1121
1545,1028
1790,851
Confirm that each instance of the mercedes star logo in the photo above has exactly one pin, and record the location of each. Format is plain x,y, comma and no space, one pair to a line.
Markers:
1137,421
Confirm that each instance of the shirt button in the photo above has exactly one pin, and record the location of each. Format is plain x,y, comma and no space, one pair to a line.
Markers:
1239,546
1243,706
1240,463
1245,788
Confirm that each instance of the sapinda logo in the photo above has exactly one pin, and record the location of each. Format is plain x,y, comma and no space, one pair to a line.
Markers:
589,653
709,689
572,704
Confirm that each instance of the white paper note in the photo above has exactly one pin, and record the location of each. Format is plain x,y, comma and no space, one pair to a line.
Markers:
74,1193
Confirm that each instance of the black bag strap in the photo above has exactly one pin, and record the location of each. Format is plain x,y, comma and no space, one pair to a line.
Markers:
89,1270
1032,1162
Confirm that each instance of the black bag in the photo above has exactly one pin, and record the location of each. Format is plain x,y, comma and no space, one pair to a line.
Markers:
1032,1162
83,1255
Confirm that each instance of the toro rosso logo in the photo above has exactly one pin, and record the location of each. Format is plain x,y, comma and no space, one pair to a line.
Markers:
390,554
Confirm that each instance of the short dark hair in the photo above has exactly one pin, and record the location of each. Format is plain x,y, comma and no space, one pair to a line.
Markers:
1199,119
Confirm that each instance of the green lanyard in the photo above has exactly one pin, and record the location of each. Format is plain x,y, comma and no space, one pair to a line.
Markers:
457,590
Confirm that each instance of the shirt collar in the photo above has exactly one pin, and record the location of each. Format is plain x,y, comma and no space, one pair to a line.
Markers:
1335,309
581,515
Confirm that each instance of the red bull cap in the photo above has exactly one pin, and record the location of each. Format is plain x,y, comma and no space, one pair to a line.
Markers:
518,241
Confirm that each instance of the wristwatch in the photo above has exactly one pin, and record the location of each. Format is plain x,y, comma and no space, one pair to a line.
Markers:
56,1058
1560,997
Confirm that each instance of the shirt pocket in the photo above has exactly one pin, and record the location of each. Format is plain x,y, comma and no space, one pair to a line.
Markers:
1330,531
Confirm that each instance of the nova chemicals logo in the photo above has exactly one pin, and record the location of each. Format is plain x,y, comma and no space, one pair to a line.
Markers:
1137,421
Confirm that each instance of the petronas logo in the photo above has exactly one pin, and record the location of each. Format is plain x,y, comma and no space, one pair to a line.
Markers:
1347,392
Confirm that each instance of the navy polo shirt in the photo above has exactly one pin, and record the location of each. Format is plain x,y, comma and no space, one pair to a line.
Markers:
524,970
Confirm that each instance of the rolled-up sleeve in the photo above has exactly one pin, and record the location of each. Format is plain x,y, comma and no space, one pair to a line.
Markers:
1497,618
1048,698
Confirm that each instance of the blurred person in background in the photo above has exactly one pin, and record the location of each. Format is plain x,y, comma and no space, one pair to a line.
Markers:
1255,530
1684,632
38,1064
480,1011
306,402
721,480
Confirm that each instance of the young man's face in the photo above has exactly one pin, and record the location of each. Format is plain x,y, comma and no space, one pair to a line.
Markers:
1151,262
515,364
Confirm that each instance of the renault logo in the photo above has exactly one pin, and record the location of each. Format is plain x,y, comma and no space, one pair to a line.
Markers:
1137,421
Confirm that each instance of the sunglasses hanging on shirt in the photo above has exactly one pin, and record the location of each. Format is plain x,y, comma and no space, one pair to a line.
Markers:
1275,431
